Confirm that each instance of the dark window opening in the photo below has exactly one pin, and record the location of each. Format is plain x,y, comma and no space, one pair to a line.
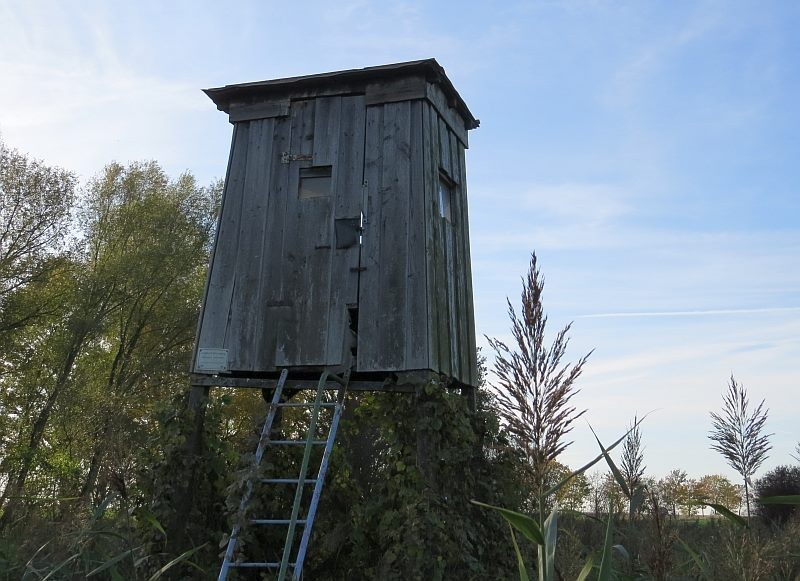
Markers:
446,187
315,182
352,312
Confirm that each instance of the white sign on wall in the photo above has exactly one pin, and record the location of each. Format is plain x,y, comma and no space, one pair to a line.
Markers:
215,360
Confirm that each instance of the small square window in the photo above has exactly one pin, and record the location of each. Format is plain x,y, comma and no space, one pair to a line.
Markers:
315,182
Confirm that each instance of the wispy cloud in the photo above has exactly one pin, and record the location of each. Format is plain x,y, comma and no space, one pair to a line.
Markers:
696,313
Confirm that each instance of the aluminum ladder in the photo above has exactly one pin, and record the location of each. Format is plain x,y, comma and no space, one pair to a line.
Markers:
288,560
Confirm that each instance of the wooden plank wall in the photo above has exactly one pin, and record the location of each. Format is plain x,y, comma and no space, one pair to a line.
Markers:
450,310
392,334
278,288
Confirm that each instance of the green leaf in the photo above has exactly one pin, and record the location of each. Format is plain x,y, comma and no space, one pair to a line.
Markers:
182,557
724,511
522,522
786,499
523,572
150,519
587,568
698,560
61,565
606,568
111,562
614,470
550,535
585,467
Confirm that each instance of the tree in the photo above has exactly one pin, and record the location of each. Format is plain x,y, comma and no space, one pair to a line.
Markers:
534,389
780,481
573,494
35,204
674,490
737,434
796,454
129,298
717,489
632,464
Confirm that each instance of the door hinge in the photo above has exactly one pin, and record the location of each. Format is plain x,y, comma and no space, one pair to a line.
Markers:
287,157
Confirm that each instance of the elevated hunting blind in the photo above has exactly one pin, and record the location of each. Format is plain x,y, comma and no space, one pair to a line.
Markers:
343,230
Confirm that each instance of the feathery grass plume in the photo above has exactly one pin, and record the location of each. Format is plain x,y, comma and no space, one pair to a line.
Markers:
533,388
737,434
632,464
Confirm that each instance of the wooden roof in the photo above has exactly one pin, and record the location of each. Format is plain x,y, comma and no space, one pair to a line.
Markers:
429,68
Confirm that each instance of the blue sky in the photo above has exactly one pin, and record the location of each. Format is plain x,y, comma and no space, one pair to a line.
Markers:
648,151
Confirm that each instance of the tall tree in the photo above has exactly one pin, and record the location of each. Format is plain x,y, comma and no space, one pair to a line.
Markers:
534,389
154,233
738,435
35,204
126,322
718,489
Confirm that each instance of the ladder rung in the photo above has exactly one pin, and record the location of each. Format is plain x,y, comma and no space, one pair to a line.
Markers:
287,480
257,565
305,405
296,442
275,521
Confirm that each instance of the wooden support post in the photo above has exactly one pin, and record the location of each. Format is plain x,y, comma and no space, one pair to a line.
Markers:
194,448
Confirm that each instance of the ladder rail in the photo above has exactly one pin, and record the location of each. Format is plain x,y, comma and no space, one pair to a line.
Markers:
298,496
301,481
323,469
263,441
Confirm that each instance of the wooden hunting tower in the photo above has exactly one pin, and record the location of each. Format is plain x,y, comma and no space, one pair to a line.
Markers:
343,229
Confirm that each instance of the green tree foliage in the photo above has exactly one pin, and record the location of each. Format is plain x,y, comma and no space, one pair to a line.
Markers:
738,435
573,495
717,489
674,491
35,204
83,382
780,481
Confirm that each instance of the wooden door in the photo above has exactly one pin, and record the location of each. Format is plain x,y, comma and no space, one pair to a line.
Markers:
320,245
286,257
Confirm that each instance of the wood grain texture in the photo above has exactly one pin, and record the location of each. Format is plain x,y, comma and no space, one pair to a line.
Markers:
417,354
393,91
441,282
280,287
368,297
394,200
454,120
262,110
348,177
204,307
244,332
221,276
471,377
302,335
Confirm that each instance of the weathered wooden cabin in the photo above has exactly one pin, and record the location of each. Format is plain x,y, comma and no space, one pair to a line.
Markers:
343,230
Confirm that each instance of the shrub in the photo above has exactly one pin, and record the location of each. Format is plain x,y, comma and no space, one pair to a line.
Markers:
781,481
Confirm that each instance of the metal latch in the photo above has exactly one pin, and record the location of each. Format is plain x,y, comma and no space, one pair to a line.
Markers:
287,157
